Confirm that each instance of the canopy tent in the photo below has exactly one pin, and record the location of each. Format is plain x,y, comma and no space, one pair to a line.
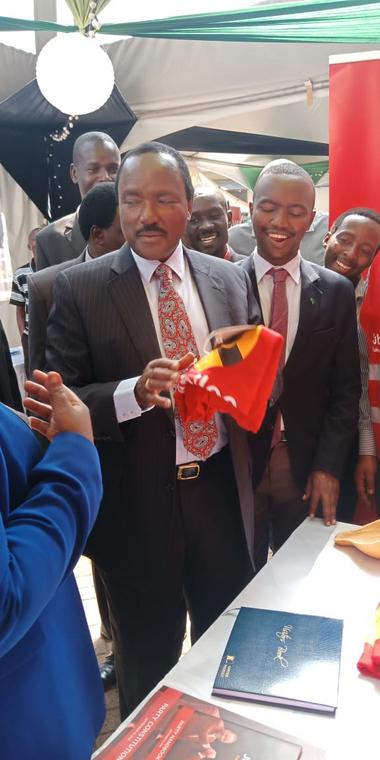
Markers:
268,89
186,80
40,164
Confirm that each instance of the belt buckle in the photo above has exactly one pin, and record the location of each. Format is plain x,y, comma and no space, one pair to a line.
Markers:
181,471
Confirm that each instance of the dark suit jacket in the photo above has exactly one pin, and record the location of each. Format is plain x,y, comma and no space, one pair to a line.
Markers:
61,240
40,291
48,670
101,331
9,390
321,379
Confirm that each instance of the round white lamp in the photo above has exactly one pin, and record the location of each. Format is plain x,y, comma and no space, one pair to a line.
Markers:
75,74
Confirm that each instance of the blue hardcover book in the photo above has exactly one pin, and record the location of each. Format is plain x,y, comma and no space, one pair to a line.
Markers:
282,658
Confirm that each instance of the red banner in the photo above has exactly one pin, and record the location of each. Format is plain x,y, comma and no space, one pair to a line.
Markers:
354,131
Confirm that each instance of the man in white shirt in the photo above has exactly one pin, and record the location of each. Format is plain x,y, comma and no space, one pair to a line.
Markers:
300,450
175,530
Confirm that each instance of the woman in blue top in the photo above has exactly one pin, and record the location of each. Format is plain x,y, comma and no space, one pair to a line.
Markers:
50,692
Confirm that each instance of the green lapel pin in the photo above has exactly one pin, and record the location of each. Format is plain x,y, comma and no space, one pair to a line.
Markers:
312,301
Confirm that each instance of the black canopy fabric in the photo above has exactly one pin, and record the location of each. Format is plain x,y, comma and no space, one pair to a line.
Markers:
39,164
207,140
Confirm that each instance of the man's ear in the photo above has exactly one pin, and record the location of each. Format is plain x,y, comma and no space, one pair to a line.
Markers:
326,239
73,174
97,234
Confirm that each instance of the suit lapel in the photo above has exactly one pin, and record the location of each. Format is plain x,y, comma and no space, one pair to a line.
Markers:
211,290
310,304
127,291
250,269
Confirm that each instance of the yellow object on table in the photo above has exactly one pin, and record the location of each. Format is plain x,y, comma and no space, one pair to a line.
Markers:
366,539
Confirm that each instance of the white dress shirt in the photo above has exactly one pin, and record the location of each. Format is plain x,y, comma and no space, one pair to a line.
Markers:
126,406
293,293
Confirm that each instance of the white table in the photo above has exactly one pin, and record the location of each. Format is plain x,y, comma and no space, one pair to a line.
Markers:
308,574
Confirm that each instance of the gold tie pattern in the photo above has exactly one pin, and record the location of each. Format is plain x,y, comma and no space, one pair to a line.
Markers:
199,438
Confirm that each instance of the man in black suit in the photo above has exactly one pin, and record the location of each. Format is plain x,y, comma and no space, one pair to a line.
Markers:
175,531
96,158
99,223
300,451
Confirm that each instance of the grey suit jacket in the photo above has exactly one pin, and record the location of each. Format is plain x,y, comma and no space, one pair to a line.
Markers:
40,291
59,241
100,331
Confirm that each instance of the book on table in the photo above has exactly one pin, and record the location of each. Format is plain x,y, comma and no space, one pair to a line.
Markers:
176,726
282,658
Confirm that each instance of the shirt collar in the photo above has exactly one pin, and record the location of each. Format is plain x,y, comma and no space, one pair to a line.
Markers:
361,289
87,254
147,267
262,267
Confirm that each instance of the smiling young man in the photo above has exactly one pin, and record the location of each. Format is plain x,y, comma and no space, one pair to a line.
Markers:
350,247
300,451
175,527
207,228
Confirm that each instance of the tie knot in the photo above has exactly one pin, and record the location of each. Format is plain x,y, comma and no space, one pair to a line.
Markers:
163,273
279,275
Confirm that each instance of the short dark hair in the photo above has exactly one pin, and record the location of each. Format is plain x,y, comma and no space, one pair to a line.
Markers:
90,137
162,150
290,168
287,168
98,208
368,213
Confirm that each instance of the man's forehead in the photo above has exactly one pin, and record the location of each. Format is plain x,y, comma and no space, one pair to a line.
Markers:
151,161
207,202
291,183
353,220
90,150
286,185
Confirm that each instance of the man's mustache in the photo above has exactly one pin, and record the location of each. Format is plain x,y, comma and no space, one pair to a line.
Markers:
150,228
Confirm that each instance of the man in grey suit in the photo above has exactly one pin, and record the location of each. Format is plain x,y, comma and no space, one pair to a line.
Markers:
99,223
96,158
175,531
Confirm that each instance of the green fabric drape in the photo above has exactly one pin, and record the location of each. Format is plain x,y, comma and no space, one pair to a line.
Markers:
81,11
335,21
316,169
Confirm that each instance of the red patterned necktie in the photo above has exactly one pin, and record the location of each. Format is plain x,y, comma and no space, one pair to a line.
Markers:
199,438
279,323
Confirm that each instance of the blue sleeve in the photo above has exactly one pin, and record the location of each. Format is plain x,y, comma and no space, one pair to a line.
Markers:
42,537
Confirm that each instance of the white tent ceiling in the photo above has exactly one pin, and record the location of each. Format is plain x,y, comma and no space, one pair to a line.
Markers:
172,85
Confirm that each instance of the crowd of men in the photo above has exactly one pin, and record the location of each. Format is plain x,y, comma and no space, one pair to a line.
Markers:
125,293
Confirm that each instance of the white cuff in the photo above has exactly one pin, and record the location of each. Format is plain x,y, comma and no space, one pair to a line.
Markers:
126,406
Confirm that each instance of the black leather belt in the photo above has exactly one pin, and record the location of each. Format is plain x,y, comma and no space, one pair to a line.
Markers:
189,471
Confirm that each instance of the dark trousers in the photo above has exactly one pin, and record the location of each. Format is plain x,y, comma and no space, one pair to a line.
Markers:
25,350
279,508
101,598
347,487
203,564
